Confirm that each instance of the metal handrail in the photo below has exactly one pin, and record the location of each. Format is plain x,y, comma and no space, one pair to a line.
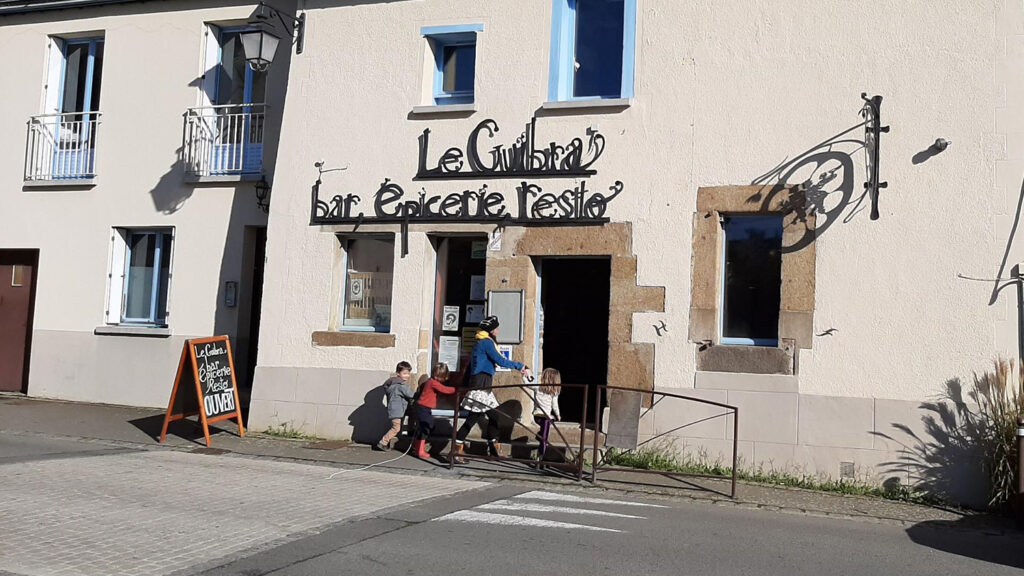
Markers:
577,465
735,435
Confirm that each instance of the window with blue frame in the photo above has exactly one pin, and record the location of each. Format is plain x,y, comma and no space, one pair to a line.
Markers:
592,49
454,52
80,79
146,276
751,280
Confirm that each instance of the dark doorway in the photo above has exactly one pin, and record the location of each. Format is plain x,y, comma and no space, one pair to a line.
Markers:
17,304
459,284
251,304
575,295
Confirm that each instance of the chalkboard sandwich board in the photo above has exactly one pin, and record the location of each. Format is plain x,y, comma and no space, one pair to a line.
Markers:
205,386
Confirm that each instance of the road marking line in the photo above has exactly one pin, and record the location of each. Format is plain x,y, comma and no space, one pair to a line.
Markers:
506,520
540,495
526,507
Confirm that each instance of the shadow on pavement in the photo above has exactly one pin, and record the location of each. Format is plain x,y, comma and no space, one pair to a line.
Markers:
964,538
187,429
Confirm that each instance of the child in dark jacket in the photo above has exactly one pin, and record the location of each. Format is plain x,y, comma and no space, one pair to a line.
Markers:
399,394
428,400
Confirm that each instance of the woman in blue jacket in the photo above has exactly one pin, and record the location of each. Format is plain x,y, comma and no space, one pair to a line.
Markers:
480,401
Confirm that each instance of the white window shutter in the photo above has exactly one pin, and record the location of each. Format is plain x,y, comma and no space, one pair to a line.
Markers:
115,290
211,62
54,68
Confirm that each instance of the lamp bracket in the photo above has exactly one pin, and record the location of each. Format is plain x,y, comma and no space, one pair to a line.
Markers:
295,26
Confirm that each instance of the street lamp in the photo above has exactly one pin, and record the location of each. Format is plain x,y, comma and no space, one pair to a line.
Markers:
260,41
263,195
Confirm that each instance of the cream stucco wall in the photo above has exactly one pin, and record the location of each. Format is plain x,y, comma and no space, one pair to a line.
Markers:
724,95
153,63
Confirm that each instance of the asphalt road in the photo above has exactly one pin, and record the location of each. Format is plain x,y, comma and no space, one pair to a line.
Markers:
492,530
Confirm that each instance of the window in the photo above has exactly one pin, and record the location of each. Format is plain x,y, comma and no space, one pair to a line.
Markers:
592,46
453,49
230,123
82,71
751,280
369,264
140,276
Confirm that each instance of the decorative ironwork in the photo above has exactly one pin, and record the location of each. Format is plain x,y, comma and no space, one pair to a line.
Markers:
872,112
61,147
521,159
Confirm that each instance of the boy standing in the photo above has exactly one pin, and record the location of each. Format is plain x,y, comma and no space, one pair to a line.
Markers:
399,394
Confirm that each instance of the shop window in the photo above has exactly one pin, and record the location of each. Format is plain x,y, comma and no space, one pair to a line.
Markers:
592,49
140,276
453,49
751,280
369,264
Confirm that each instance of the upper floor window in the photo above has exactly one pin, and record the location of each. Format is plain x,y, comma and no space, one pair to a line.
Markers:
592,49
453,49
82,69
235,82
751,280
140,276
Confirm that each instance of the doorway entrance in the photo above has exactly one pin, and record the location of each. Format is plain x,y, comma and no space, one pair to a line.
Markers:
17,304
459,300
575,297
250,307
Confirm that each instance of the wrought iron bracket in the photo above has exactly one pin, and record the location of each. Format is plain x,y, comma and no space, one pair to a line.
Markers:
872,112
295,26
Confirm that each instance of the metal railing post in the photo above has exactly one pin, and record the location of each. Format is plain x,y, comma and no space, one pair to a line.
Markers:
455,424
597,433
1020,472
583,434
735,449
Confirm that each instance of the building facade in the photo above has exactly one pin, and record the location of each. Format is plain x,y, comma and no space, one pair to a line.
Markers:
136,136
652,194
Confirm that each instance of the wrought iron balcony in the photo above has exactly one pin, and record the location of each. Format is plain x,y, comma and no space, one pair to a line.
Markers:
61,147
224,140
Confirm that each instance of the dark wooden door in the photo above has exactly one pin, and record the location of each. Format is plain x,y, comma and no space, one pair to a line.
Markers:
17,279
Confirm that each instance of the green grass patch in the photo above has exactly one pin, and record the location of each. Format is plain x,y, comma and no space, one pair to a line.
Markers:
665,458
288,432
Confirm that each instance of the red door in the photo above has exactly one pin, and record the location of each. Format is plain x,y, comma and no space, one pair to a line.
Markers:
17,275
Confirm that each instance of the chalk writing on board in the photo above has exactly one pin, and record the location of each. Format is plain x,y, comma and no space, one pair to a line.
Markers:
215,379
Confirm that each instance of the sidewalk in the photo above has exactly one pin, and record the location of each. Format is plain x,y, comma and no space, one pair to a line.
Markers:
139,428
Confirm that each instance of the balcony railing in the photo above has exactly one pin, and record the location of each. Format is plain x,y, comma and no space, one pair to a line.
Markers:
61,147
224,140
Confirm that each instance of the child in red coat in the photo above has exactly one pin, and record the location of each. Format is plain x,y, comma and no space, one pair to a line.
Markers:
428,400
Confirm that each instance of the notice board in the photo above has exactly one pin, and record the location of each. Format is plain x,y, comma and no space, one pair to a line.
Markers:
507,305
205,386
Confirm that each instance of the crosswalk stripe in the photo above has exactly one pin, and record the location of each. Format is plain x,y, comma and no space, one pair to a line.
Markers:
507,520
527,507
551,496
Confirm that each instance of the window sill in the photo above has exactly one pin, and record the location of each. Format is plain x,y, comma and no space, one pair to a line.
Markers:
69,183
354,338
444,109
588,104
144,331
224,179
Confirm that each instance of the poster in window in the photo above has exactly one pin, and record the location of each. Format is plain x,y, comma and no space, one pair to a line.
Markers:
448,352
474,313
450,319
479,250
468,339
355,289
505,351
477,287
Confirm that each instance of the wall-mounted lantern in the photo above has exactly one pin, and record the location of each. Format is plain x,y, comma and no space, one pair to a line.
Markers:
263,195
260,42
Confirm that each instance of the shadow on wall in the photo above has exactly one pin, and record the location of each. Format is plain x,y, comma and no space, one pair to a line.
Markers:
370,421
1001,283
948,460
827,175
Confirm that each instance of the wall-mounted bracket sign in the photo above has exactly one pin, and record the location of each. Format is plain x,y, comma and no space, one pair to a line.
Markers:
205,386
872,113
